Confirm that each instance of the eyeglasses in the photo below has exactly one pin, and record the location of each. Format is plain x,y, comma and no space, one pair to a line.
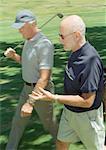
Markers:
63,36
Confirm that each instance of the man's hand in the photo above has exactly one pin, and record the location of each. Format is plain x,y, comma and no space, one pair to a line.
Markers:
42,95
26,110
10,53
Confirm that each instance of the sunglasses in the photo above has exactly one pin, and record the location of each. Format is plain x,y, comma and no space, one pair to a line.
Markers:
64,36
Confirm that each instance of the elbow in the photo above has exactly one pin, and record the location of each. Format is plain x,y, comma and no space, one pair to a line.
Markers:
88,99
88,104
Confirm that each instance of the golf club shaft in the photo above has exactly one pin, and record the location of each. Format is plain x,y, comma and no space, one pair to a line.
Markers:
48,21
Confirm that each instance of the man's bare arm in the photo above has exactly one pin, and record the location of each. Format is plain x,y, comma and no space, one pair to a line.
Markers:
43,80
85,101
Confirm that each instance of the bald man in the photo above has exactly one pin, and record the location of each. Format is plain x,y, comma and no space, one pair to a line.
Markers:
82,117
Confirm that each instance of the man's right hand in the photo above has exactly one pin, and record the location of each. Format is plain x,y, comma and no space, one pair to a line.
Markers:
26,110
10,53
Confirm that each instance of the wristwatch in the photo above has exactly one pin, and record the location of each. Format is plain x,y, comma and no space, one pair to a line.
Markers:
31,101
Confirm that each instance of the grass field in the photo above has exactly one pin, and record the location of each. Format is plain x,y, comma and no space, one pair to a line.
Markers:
93,12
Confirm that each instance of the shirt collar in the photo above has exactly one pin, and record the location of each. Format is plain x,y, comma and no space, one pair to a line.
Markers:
36,37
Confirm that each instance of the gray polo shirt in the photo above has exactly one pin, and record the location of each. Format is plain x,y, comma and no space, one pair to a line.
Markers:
37,54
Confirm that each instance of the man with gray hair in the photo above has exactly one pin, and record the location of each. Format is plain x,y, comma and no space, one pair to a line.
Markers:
82,117
37,63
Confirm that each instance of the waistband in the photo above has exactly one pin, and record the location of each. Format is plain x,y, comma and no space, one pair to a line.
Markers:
29,84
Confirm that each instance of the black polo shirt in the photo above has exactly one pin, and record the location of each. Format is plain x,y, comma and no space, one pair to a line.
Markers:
84,74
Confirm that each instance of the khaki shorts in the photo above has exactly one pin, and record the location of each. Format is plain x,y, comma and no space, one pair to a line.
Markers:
86,127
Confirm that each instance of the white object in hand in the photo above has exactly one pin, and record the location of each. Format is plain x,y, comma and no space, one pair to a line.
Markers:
9,53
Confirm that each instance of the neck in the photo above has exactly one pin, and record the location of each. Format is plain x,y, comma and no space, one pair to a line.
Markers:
79,45
33,33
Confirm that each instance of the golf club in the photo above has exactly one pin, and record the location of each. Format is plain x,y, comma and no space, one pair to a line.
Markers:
59,15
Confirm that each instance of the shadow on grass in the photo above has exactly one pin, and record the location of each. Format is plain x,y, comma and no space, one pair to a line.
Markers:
11,85
97,37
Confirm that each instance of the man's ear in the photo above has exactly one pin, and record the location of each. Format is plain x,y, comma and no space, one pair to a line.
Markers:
77,34
33,24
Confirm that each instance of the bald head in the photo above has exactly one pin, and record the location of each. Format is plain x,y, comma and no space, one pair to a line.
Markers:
73,23
72,32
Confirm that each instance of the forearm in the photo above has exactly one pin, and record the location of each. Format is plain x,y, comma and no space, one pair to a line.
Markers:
17,58
73,100
43,79
41,83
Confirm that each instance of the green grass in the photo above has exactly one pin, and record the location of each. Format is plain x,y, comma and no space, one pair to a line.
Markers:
93,12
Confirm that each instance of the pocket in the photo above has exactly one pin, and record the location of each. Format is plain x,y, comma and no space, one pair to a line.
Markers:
95,126
95,120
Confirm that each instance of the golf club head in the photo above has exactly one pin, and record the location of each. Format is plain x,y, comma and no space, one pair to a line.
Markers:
60,15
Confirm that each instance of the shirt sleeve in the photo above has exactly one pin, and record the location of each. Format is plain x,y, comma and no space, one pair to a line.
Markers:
90,76
46,54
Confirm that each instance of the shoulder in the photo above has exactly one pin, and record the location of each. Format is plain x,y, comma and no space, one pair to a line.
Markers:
44,42
90,54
